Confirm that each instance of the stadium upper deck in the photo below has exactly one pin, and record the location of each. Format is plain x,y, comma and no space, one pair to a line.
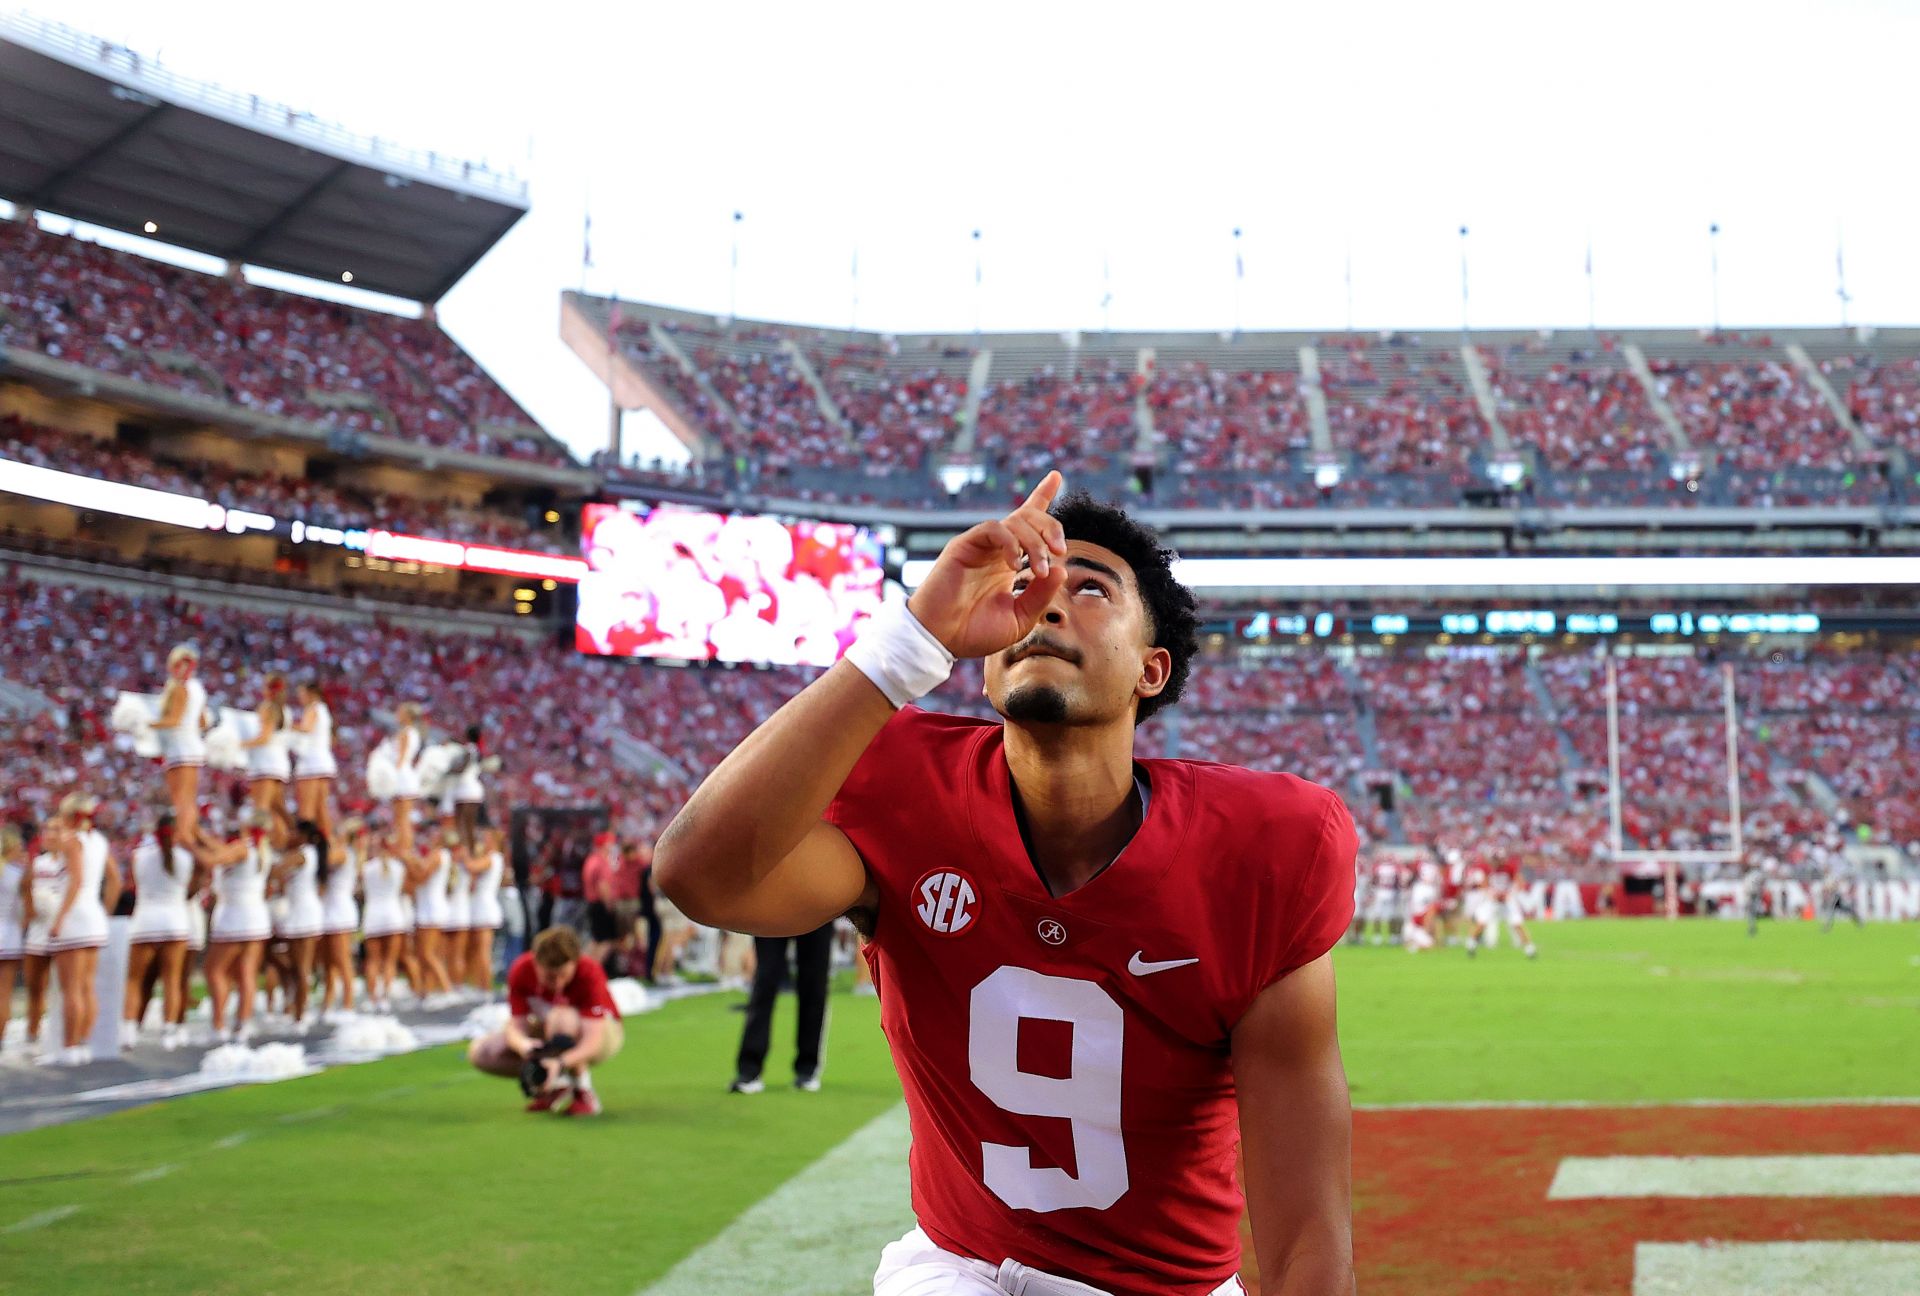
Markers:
1650,419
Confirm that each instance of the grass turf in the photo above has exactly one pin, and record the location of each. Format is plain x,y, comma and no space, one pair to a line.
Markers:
413,1174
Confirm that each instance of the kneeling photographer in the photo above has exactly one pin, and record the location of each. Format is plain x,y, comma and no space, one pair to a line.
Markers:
561,1022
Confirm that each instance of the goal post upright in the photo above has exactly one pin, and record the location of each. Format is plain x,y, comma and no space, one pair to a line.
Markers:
1672,859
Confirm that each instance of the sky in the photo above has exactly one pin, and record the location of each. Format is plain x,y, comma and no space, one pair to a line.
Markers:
1106,153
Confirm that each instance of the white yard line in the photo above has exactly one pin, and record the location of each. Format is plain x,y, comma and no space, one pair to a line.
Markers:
1892,1175
148,1176
817,1234
1775,1268
234,1139
41,1220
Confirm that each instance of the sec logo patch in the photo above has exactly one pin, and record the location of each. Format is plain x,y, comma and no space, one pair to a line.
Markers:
946,902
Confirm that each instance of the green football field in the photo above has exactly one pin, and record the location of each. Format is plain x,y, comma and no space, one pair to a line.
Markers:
414,1174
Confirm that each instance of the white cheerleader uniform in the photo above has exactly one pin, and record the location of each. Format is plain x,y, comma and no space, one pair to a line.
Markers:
13,936
305,915
196,924
459,897
270,759
382,880
240,900
465,787
185,743
160,893
47,879
430,907
406,763
86,923
313,758
339,913
487,915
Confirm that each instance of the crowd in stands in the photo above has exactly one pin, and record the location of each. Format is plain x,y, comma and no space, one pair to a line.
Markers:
1212,419
1882,395
1588,414
271,493
1465,740
1756,415
1070,421
265,351
1405,427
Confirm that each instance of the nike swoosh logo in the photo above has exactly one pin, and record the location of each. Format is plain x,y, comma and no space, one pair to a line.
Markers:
1140,967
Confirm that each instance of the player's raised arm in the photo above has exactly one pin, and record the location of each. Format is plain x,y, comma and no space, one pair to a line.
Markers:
749,851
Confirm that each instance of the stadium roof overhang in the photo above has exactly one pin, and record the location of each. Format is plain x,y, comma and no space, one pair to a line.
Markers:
91,130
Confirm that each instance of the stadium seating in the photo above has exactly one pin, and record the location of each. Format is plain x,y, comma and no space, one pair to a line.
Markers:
1481,766
265,351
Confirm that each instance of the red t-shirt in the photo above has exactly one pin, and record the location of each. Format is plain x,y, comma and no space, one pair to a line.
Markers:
587,992
1067,1062
595,874
626,876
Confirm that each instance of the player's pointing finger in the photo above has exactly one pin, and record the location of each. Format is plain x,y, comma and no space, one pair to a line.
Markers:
1043,494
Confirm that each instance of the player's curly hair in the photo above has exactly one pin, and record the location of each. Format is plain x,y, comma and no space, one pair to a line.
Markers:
1173,614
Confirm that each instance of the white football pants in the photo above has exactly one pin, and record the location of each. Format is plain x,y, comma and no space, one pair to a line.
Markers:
914,1266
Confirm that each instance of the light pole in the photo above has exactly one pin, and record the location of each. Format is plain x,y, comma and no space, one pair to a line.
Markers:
1239,277
1464,328
1840,272
733,277
977,290
1713,266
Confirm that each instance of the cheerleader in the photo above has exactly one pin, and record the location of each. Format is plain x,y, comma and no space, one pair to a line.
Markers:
269,767
383,880
341,918
181,729
162,874
453,940
13,907
467,794
241,925
486,871
79,925
301,873
406,774
431,914
313,764
44,884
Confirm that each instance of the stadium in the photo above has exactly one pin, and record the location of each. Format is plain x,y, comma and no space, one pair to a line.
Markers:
1606,639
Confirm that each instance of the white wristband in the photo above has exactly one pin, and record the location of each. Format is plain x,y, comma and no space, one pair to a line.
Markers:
900,656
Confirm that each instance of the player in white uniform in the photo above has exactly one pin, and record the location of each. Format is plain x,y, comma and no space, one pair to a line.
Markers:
91,885
13,928
486,913
241,926
383,880
162,874
1476,901
314,768
181,729
1500,899
1384,906
341,917
301,872
269,764
1423,905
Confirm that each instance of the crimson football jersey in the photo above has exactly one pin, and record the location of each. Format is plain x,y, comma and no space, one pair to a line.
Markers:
1066,1061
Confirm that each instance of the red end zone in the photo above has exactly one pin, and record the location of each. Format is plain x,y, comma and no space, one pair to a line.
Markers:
1456,1201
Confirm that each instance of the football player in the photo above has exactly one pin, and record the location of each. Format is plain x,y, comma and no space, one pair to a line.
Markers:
1097,973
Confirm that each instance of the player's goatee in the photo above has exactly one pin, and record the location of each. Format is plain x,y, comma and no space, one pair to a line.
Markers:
1037,704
